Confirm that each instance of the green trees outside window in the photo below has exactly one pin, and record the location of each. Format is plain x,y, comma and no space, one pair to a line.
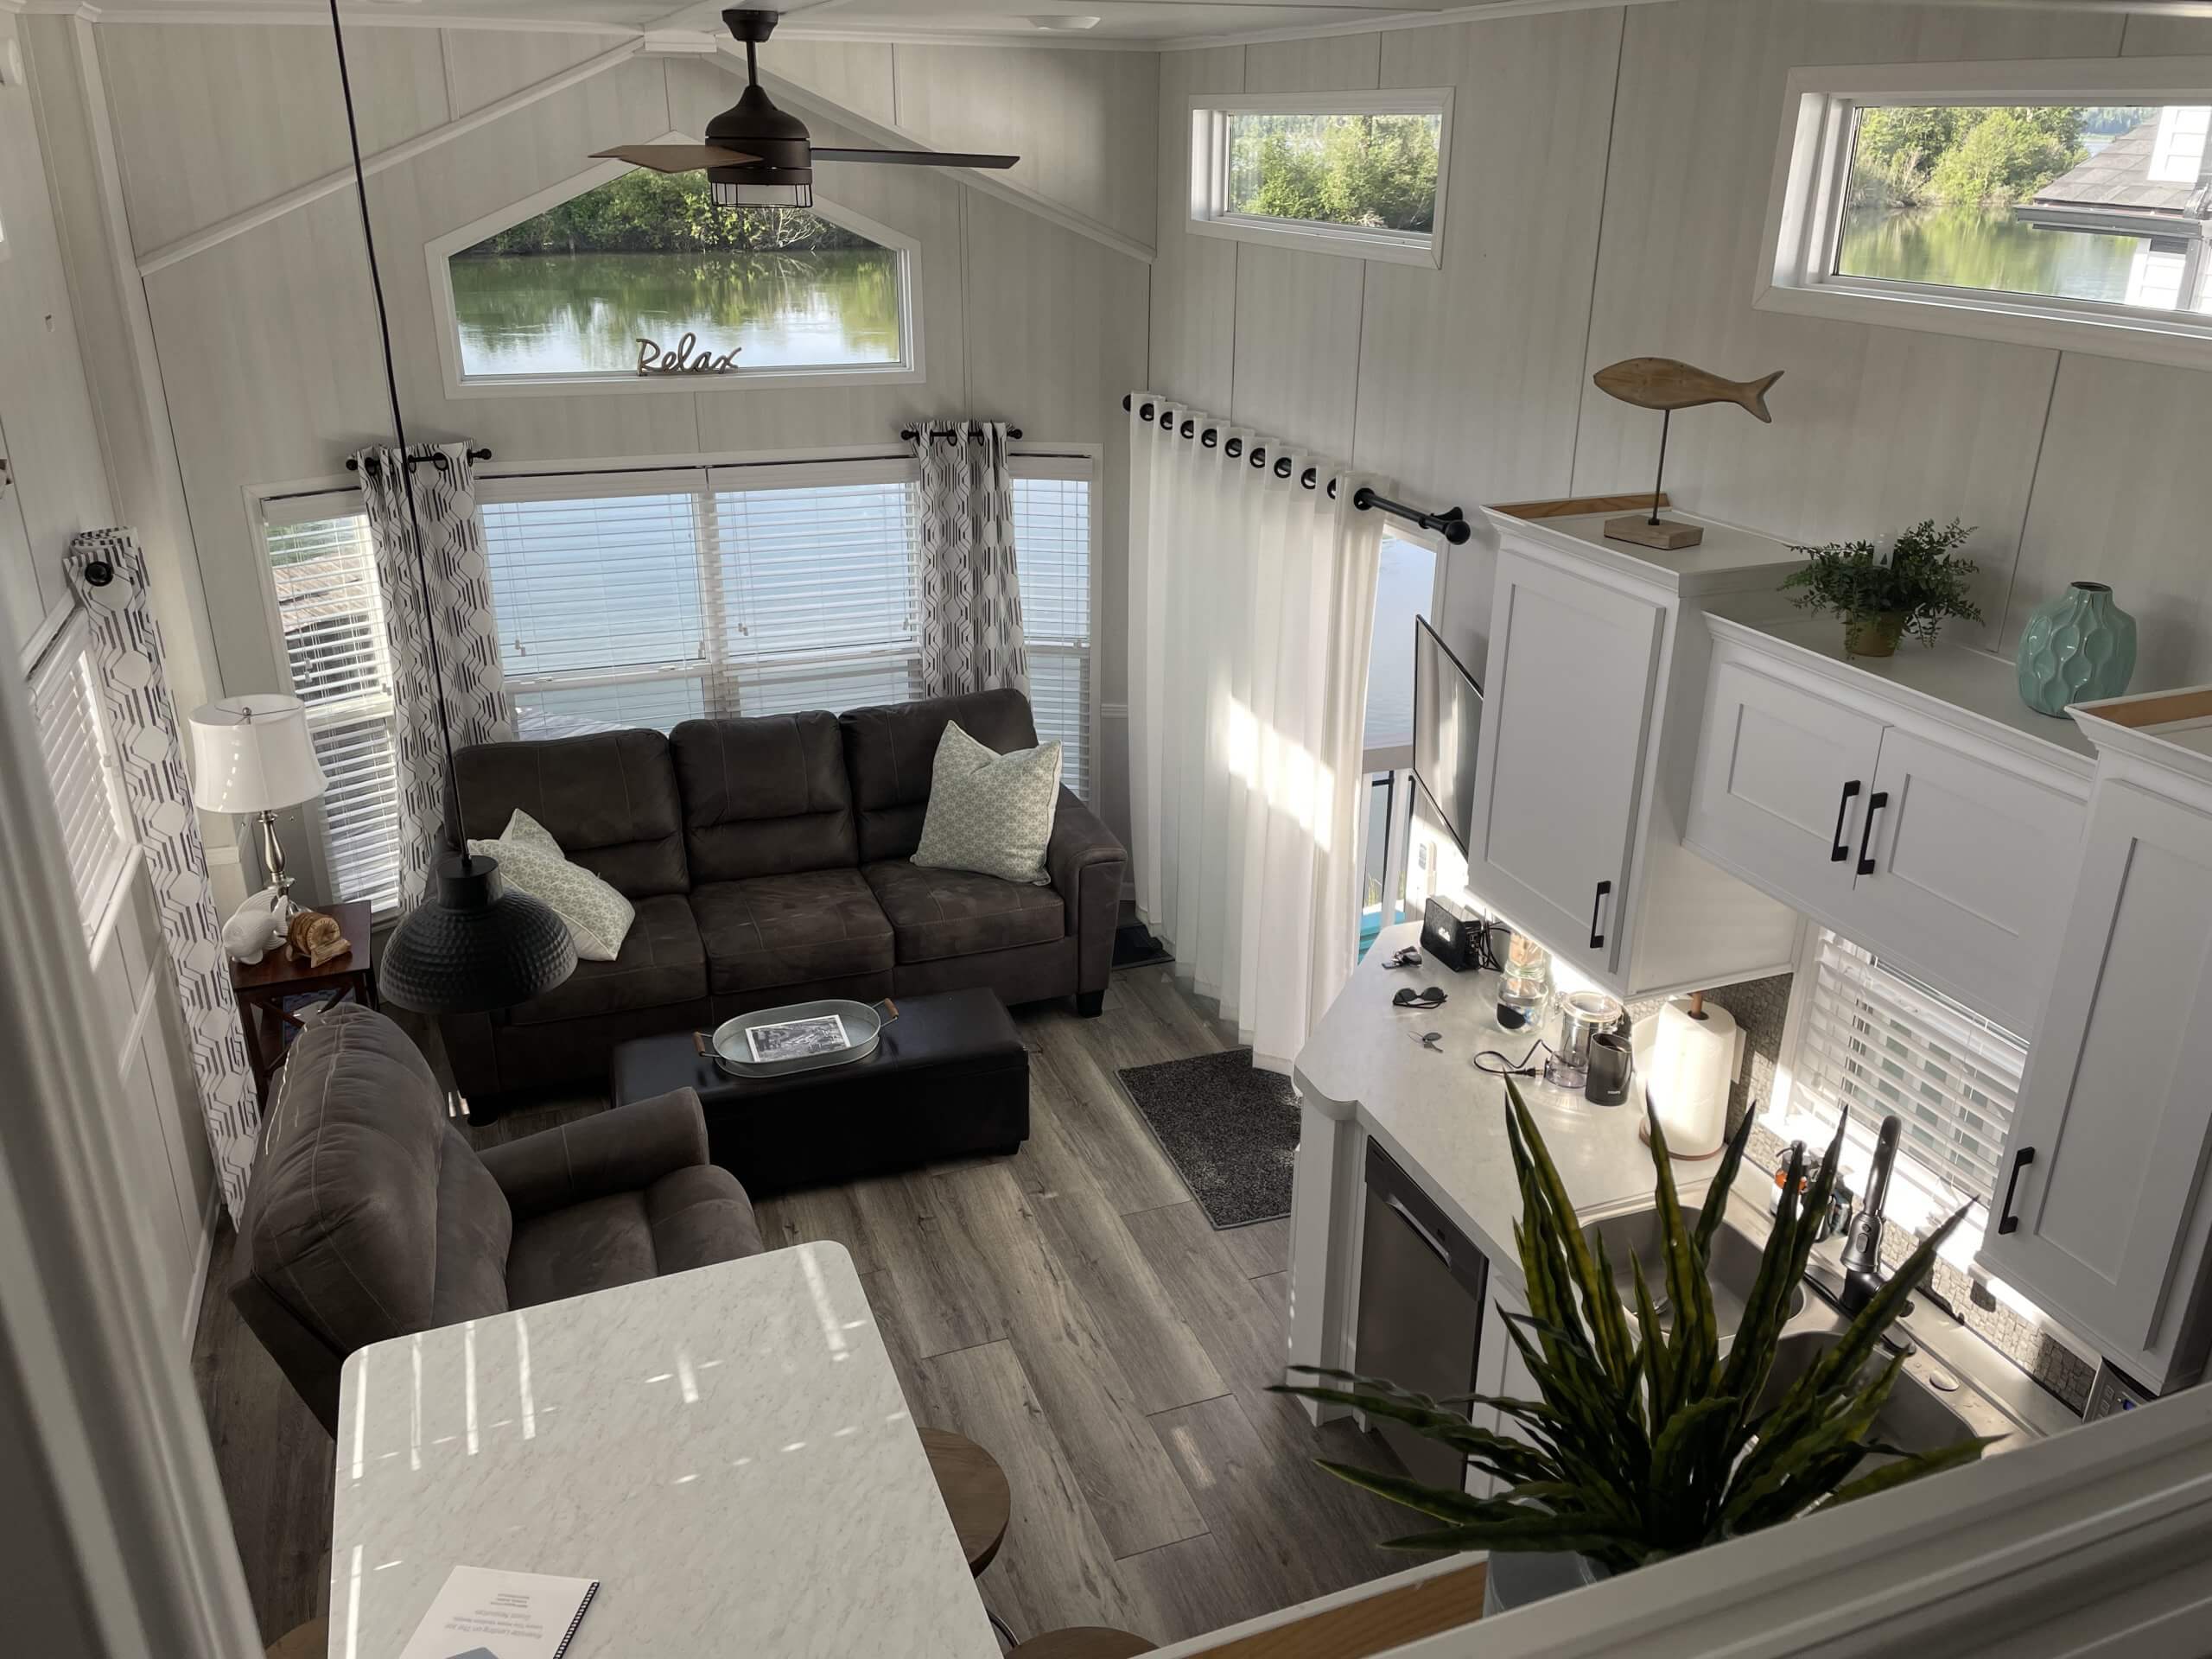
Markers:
1374,171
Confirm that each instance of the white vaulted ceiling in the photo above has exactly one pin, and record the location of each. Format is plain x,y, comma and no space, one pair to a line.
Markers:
1126,24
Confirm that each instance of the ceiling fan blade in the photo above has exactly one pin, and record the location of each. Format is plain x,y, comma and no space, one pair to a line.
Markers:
675,158
914,157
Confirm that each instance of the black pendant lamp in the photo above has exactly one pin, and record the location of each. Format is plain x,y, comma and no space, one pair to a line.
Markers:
471,945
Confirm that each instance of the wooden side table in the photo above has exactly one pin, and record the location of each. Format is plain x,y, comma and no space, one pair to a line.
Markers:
262,988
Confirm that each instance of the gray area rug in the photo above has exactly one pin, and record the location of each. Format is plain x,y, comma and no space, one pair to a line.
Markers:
1232,1132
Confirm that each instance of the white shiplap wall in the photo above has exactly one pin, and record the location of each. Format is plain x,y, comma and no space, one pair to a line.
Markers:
266,342
1609,182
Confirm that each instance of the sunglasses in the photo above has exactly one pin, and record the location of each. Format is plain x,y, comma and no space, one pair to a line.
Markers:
1432,997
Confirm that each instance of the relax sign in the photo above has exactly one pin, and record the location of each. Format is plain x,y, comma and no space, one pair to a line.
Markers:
654,359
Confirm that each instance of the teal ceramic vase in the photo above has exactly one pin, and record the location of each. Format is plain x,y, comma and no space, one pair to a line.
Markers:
2078,646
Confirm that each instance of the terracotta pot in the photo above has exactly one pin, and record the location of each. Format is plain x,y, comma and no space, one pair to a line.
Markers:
1873,636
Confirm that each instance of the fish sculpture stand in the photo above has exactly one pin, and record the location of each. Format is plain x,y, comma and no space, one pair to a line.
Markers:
1665,385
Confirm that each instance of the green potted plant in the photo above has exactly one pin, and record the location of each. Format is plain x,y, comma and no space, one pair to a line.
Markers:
1883,596
1648,1442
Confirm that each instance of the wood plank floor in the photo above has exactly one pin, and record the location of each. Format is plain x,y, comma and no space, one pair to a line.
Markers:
1069,1308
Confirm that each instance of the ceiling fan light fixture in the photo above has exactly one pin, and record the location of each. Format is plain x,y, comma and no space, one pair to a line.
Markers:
734,193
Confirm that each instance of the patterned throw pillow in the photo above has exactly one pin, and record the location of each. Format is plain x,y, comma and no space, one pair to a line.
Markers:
989,812
598,917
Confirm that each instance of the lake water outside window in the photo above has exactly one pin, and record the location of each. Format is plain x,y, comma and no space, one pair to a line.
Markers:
1402,591
649,255
1375,172
2104,204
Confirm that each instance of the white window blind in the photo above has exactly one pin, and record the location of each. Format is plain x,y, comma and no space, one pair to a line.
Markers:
331,614
1051,545
81,769
601,613
819,590
1879,1041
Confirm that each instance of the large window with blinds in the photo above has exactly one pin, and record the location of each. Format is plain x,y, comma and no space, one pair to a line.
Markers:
80,768
1877,1041
653,596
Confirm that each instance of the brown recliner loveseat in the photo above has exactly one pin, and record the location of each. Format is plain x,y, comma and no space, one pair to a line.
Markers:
371,1216
771,861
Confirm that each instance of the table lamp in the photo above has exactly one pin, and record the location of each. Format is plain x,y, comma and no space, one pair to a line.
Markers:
254,754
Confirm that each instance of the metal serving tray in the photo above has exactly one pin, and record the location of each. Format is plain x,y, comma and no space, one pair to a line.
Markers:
863,1024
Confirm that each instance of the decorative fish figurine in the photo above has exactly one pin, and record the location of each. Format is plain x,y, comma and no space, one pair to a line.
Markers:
1662,382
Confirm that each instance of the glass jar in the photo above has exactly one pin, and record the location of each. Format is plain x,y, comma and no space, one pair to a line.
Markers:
1524,985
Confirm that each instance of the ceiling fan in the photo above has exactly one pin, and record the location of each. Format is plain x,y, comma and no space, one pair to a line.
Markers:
756,155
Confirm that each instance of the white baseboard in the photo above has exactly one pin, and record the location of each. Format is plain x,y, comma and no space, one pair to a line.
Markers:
198,1292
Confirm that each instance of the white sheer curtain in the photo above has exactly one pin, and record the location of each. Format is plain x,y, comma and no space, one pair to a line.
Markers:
1251,601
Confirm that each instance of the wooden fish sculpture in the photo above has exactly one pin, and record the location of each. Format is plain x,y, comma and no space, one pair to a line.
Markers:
1662,382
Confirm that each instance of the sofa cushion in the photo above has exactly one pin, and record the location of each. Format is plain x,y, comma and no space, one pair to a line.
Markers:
891,750
691,1218
788,929
344,1225
662,962
531,862
764,796
938,913
608,799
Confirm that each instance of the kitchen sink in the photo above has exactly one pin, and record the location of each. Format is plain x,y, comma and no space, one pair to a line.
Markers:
1914,1419
1634,1237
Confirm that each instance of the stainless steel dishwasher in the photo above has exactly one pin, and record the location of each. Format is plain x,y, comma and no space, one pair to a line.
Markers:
1421,1285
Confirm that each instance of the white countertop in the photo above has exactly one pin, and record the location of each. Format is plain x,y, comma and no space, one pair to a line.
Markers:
1444,1120
1730,557
727,1450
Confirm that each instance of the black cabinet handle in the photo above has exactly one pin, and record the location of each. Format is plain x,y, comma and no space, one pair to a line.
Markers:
1839,848
2006,1221
1875,803
1597,904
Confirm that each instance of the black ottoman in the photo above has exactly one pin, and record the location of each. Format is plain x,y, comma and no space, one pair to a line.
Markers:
949,1078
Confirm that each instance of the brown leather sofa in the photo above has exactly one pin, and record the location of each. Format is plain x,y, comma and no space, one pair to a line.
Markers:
771,861
370,1216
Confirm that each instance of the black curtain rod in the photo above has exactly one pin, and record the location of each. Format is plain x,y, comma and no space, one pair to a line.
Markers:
1451,523
947,433
434,458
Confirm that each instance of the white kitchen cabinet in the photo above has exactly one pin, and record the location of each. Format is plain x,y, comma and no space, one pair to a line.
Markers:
1592,682
1501,1373
1913,804
2102,1215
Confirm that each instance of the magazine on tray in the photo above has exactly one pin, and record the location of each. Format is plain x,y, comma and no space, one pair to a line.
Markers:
822,1034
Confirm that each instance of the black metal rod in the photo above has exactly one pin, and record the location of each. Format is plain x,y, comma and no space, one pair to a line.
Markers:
1659,483
946,433
1451,523
354,465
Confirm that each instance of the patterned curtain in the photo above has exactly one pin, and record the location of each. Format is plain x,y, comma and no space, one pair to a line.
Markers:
444,483
971,594
108,574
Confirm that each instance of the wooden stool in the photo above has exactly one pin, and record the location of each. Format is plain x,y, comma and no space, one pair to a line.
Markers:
308,1641
974,1490
1081,1642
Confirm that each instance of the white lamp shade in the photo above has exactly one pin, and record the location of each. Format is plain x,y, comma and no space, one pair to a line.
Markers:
254,754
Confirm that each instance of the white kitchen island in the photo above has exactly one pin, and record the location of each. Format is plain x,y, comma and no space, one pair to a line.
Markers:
727,1450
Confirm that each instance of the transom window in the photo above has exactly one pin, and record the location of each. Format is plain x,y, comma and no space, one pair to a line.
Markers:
1356,173
651,597
2060,205
639,281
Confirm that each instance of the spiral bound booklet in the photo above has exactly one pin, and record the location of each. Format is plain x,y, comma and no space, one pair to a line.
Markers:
483,1613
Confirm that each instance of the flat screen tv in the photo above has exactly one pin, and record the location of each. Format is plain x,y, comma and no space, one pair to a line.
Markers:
1447,720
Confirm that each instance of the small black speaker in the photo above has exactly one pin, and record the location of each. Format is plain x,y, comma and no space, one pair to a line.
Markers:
1451,937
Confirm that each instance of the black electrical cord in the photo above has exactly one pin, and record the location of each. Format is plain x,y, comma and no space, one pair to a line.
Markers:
398,422
1507,1068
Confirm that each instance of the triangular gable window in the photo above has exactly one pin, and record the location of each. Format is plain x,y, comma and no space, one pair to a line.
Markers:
610,283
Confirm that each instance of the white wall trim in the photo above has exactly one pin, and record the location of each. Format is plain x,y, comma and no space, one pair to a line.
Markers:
342,178
438,254
891,138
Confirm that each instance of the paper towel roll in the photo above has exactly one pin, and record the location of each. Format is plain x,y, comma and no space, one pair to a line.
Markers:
1692,1062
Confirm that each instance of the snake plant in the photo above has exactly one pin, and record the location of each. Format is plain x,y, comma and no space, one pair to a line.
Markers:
1649,1442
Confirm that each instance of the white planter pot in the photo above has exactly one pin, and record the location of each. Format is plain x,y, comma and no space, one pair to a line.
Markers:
1519,1577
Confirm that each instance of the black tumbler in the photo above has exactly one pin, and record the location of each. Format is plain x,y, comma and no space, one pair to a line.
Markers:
1611,1062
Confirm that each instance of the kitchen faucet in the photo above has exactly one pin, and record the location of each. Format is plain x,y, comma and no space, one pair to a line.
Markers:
1862,1246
